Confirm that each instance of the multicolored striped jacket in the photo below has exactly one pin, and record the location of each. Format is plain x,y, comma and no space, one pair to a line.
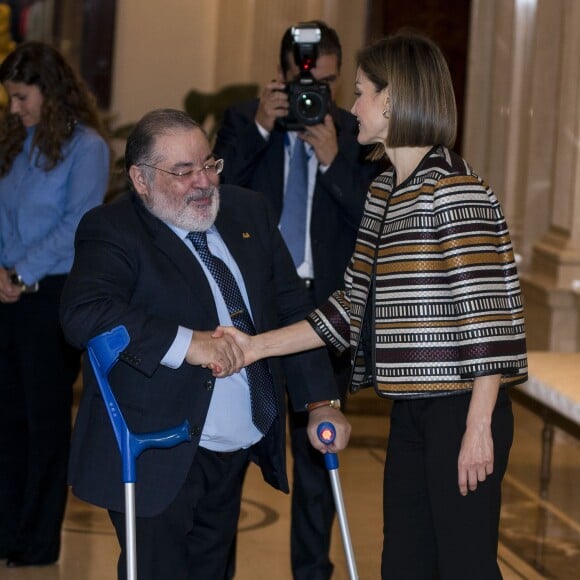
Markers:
433,275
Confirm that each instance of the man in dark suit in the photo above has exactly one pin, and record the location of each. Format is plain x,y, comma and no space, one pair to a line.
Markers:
138,263
258,152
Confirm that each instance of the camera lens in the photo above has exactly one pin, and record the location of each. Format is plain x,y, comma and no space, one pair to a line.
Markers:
309,105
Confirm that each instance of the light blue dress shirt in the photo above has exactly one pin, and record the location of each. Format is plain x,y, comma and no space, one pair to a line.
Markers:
228,426
40,210
306,269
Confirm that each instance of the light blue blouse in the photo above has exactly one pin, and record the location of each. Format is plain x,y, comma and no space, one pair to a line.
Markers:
40,210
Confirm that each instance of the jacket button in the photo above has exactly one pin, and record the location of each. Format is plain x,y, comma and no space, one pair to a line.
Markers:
195,431
209,384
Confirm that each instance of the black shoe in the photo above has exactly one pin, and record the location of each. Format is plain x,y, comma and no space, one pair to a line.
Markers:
19,563
15,563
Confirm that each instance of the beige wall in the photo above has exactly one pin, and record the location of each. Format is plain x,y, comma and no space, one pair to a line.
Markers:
161,50
522,132
164,49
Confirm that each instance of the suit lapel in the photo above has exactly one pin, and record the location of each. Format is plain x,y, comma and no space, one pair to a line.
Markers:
179,255
240,239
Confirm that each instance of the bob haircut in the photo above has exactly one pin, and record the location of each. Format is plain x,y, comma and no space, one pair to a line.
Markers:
423,109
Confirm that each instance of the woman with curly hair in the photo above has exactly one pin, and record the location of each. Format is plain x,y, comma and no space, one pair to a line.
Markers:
54,166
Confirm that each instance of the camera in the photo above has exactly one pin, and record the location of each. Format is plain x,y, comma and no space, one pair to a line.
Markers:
309,100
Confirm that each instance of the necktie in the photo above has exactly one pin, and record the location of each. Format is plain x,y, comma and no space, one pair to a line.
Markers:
293,219
259,379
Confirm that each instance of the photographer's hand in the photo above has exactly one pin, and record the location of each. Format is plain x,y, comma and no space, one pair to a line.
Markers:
323,139
273,104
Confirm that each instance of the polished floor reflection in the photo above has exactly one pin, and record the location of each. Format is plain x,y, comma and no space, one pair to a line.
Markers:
540,538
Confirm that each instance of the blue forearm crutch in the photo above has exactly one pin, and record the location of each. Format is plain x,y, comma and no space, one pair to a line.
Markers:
103,351
326,434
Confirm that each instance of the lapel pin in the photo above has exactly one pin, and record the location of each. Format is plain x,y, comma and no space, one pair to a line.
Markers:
245,235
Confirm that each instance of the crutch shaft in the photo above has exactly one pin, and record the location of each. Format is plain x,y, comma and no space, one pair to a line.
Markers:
130,540
343,523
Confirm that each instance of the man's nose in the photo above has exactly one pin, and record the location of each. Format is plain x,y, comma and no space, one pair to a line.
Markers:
204,179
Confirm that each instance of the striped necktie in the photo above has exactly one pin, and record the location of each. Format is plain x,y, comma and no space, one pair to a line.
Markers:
264,409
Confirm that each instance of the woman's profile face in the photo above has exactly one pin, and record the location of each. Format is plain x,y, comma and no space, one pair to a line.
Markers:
368,108
25,101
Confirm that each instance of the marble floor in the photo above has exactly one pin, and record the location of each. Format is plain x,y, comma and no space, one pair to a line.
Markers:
540,536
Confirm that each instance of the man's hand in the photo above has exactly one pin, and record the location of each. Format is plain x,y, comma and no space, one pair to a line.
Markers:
243,341
273,104
9,292
222,355
323,139
341,425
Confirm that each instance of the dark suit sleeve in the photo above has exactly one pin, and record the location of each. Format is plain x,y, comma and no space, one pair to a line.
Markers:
240,144
99,293
309,375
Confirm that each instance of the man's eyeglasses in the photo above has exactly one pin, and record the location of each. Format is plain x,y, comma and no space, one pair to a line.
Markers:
210,167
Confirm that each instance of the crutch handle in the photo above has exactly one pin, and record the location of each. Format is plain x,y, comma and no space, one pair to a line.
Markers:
327,433
103,351
161,439
139,442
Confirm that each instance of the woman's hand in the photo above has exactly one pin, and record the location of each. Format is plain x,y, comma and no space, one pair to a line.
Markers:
220,354
245,342
475,461
9,292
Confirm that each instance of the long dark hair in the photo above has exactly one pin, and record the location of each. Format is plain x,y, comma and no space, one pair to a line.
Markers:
66,101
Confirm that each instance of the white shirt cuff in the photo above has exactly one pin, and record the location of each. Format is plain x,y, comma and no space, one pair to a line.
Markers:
265,134
175,356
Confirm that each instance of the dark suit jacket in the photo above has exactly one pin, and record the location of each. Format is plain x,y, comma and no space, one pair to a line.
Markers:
339,193
131,269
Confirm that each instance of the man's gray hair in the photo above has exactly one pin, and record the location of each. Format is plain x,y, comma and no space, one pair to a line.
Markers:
139,148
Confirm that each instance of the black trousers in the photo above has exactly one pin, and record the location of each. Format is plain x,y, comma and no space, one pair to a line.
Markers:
431,531
312,500
192,538
37,371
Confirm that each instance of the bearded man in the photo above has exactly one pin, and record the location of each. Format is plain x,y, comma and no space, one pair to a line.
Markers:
171,261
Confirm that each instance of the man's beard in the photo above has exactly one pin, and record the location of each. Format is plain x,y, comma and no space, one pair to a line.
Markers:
188,216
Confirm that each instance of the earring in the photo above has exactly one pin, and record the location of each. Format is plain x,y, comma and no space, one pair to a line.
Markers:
386,113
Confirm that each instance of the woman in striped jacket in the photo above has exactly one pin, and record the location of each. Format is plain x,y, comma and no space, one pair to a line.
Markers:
433,318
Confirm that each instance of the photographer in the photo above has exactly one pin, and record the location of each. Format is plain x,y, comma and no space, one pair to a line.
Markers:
319,222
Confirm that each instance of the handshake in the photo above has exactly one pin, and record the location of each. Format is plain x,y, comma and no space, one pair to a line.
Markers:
227,350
